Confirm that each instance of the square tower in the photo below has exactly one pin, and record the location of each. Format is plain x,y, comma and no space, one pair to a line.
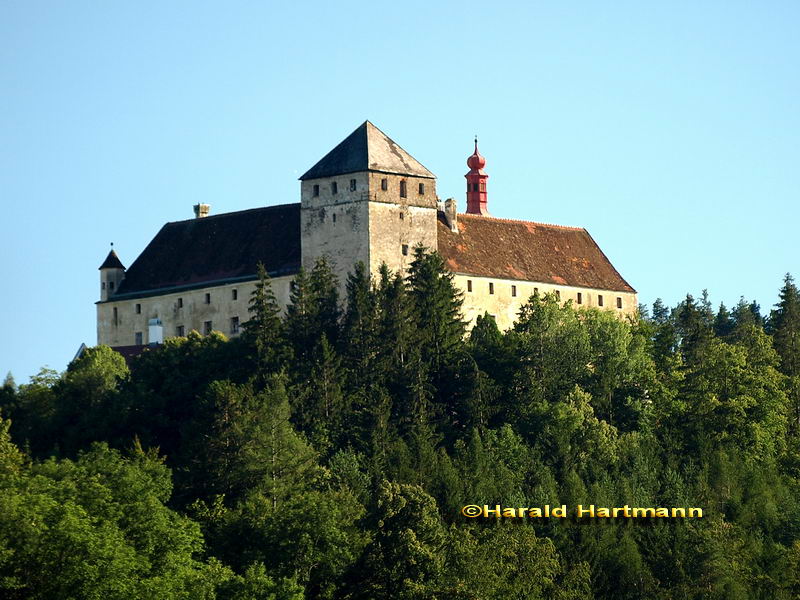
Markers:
367,200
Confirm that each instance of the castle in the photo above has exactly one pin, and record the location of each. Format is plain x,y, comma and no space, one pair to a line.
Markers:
366,200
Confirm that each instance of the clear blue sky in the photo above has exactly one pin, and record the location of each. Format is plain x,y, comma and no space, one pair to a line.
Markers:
670,131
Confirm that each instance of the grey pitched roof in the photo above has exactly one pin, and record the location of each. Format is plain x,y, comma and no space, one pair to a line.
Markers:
112,261
220,248
367,149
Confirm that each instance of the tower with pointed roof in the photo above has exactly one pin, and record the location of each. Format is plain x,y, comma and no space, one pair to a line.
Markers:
367,200
112,272
476,184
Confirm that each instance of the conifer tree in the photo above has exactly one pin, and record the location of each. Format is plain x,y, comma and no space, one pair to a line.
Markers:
723,322
360,328
265,329
785,327
436,305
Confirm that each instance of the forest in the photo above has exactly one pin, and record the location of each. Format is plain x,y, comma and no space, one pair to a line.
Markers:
327,452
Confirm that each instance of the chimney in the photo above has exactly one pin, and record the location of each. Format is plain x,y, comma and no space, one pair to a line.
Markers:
450,214
201,210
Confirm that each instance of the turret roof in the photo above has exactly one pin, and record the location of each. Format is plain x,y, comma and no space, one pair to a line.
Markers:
112,261
367,149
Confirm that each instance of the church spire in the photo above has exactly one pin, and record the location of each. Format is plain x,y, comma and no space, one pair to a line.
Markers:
476,184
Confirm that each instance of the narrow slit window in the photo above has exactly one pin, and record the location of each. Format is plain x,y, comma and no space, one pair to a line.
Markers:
469,285
352,185
116,314
180,302
491,287
334,217
405,249
619,302
403,192
138,338
138,309
599,300
235,294
111,285
558,295
208,299
316,190
513,291
421,189
384,184
334,188
580,298
207,327
234,325
402,215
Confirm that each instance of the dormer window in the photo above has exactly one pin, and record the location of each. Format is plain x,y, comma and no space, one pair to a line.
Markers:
352,185
315,191
403,192
334,188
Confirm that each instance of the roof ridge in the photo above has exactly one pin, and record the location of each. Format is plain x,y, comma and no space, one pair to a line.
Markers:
235,212
567,227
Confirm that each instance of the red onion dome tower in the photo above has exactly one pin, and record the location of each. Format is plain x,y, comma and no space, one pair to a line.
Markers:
476,184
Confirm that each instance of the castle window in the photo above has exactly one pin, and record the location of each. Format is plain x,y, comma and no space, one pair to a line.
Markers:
316,190
235,294
180,331
405,249
421,189
138,309
384,184
334,188
208,299
180,302
207,327
469,285
334,217
352,185
491,287
558,295
138,338
474,187
514,291
111,285
115,315
580,298
234,325
403,192
599,300
619,302
402,215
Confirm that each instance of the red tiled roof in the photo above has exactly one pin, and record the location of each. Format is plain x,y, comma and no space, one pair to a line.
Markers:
526,251
217,248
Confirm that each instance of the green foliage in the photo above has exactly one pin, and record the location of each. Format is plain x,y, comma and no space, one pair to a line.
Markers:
327,453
